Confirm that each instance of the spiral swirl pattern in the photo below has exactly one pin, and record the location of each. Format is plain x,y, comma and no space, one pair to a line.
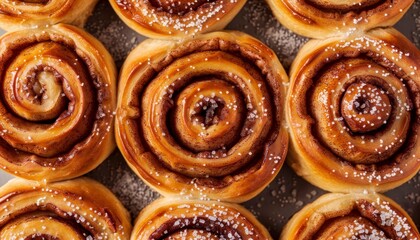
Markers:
209,115
21,14
353,110
328,18
188,219
170,18
351,216
57,104
74,209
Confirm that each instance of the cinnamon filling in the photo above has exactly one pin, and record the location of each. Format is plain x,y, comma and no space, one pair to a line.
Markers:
351,226
365,220
344,6
354,12
214,227
41,237
43,2
180,7
49,211
49,215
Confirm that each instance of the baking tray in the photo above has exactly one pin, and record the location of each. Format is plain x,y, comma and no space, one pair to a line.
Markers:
288,193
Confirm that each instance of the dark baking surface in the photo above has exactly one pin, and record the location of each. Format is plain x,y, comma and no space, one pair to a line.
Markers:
288,193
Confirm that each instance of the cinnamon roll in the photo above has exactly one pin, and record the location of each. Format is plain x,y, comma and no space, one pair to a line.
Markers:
57,103
170,18
328,18
73,209
351,216
20,14
353,109
203,117
168,218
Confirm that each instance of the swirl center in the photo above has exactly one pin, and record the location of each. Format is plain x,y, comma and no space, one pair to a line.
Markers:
207,114
365,107
208,111
36,84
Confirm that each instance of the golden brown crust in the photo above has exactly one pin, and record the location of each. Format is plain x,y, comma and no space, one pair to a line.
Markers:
59,86
178,102
351,216
181,219
323,19
170,18
353,111
21,14
73,209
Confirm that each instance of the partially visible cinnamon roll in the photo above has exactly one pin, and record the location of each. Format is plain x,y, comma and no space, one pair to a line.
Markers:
203,117
328,18
20,14
170,18
170,218
351,216
73,209
353,109
57,103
